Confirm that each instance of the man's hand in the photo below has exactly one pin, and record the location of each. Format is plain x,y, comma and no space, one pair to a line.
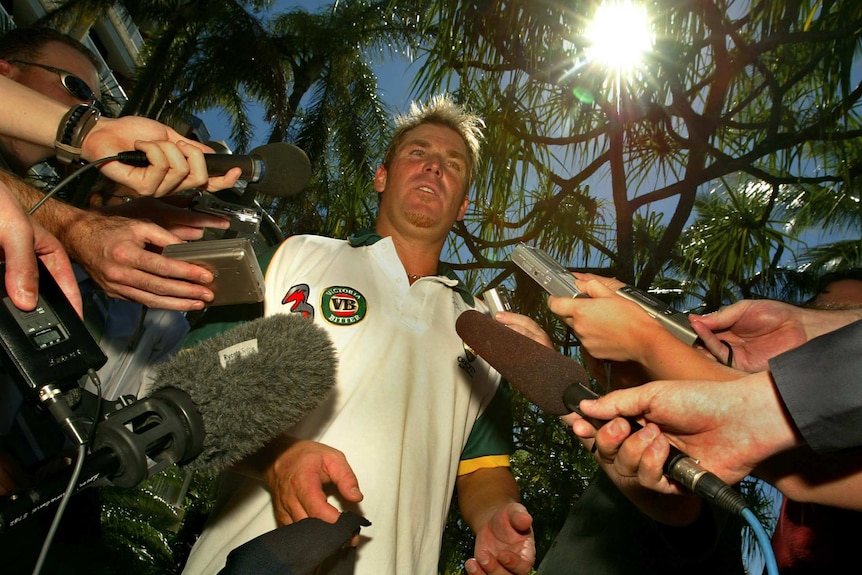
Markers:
608,325
504,529
730,426
757,330
176,163
505,544
22,239
116,253
525,326
173,216
297,477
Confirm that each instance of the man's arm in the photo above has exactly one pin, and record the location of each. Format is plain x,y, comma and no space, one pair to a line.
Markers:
833,479
176,163
758,330
729,426
117,253
489,503
611,327
169,212
21,241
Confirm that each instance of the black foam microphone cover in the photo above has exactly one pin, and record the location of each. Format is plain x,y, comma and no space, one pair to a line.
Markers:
278,169
542,374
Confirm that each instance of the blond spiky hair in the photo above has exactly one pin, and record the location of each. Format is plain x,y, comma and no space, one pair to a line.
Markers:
443,111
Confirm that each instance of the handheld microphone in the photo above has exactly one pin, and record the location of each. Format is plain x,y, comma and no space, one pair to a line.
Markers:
279,169
556,384
211,406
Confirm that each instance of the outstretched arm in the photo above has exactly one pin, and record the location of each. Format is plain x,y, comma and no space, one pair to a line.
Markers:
611,327
729,426
118,254
176,163
759,330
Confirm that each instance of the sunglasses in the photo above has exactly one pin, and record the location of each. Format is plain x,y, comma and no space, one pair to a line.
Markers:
73,84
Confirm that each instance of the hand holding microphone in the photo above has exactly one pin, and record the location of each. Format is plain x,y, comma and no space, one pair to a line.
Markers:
174,163
557,385
279,169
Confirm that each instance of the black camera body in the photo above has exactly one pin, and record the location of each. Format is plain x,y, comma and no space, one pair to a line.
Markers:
49,345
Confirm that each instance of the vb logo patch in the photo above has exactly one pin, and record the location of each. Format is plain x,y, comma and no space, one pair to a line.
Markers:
343,305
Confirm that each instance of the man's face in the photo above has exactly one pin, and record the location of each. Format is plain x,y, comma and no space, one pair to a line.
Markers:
425,185
47,82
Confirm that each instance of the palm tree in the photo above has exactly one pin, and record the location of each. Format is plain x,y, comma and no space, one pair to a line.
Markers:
728,88
733,92
340,120
738,238
200,54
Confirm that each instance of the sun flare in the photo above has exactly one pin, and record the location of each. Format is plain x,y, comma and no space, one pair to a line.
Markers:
619,35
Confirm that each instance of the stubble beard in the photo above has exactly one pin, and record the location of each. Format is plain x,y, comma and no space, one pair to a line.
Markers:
420,220
420,217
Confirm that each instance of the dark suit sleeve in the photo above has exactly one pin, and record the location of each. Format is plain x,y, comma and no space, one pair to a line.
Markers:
819,384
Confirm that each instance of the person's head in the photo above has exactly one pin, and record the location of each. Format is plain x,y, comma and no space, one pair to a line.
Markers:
443,111
50,63
429,166
839,290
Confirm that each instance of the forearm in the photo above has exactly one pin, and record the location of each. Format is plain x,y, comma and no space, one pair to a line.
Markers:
24,193
833,479
484,491
56,216
666,357
819,322
28,115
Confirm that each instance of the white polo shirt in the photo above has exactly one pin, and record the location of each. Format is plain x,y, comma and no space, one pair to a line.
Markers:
408,396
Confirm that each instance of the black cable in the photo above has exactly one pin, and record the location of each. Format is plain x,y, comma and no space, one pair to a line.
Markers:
69,178
73,481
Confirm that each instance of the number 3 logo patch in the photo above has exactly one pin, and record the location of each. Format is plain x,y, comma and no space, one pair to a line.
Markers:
342,305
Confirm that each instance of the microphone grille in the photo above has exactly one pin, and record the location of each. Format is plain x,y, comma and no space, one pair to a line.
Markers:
287,169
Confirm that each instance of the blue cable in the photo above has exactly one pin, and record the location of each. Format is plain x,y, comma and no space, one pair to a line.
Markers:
762,540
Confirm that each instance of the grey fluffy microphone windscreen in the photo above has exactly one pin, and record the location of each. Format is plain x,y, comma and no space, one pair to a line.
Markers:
201,414
257,396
